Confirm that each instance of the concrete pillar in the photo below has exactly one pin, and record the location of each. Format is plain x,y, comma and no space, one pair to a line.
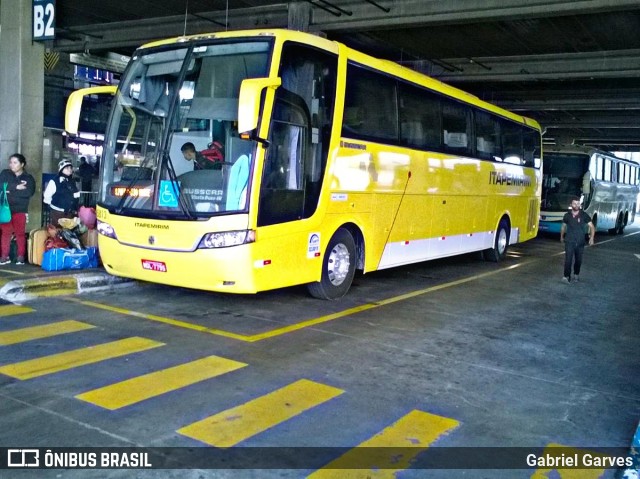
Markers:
21,95
299,16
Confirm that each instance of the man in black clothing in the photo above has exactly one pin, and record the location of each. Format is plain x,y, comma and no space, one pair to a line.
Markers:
85,172
200,161
574,226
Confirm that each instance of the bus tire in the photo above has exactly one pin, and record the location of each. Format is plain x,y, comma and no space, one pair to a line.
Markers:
338,267
623,223
618,229
500,245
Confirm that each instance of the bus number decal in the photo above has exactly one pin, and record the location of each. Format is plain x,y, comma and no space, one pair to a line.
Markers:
313,246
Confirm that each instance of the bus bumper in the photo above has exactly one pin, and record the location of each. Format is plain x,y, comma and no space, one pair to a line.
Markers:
228,270
550,226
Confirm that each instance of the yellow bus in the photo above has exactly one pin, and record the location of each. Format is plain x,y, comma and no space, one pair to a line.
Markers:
252,160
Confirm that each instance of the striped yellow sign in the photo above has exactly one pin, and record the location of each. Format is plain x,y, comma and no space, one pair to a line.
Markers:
154,384
11,309
391,450
79,357
44,331
234,425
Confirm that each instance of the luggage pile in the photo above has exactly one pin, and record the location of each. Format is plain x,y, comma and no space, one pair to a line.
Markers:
72,245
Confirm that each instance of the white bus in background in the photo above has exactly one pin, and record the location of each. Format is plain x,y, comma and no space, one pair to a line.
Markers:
608,187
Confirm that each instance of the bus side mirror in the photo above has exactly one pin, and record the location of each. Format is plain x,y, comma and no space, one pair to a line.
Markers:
74,105
249,103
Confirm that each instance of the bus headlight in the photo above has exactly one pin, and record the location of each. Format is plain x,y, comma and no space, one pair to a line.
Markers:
227,238
106,229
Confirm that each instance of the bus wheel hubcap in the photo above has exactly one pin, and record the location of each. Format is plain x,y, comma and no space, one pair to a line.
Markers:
338,264
502,241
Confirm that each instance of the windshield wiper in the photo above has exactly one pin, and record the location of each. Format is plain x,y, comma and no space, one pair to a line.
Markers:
182,200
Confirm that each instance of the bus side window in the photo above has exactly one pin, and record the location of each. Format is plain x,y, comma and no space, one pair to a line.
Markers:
487,129
456,125
511,142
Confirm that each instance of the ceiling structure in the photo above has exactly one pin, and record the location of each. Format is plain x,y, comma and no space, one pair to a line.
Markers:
572,65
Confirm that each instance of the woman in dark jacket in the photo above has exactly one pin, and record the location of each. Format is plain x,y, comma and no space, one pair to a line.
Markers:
20,188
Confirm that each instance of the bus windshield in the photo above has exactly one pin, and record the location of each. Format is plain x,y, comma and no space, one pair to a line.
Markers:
172,147
563,176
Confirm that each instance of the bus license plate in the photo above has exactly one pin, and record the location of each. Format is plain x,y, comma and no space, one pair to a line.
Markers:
154,265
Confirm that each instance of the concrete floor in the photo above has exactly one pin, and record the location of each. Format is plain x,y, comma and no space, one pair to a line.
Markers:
506,355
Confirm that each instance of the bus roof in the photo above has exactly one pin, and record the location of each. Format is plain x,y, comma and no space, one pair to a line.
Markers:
586,150
386,66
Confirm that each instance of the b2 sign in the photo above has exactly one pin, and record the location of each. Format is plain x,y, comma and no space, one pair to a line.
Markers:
44,19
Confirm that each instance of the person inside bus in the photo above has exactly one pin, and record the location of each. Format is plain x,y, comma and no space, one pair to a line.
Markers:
572,234
85,172
20,188
202,161
61,194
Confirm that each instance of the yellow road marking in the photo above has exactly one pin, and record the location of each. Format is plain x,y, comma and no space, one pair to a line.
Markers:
297,326
234,425
53,286
8,271
556,450
377,304
154,384
78,357
391,450
11,309
44,331
161,319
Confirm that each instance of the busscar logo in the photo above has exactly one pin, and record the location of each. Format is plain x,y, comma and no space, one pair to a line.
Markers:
23,458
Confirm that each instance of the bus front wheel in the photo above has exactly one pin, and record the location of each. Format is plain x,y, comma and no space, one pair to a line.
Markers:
338,267
500,244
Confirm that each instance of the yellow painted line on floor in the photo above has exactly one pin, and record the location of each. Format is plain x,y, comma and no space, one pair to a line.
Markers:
11,309
377,304
558,450
78,357
154,384
297,326
44,331
8,271
161,319
234,425
391,450
53,286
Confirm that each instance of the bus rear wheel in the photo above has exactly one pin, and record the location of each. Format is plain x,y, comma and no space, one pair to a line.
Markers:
338,267
619,228
500,244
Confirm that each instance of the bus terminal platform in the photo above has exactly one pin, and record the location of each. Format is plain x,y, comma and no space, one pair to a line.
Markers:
497,355
20,283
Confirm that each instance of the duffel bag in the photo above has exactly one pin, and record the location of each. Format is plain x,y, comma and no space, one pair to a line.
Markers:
59,259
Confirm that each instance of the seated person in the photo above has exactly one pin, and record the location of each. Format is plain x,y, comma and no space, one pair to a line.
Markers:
202,161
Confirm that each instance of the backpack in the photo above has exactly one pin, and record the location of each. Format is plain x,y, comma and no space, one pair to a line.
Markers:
213,152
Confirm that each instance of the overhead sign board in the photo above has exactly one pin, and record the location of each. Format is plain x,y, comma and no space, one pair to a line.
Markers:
44,20
110,61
